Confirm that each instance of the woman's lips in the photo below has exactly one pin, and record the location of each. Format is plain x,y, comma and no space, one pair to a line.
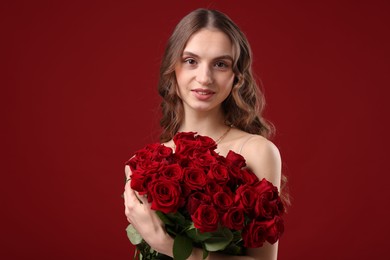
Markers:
203,94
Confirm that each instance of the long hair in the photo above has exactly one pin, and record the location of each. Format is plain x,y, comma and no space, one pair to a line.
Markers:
243,107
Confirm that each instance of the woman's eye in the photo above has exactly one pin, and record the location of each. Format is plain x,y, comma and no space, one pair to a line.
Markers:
190,61
221,64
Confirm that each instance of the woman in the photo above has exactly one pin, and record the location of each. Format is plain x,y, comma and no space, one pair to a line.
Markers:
207,87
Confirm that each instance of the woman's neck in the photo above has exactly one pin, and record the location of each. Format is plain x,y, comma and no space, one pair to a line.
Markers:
211,123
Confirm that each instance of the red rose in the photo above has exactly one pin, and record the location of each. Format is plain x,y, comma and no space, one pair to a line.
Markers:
184,136
195,199
143,172
172,172
206,142
221,160
234,218
248,176
254,234
194,178
185,144
202,159
278,206
219,173
189,146
139,157
140,182
275,228
162,152
184,162
146,154
235,177
246,198
267,189
165,195
185,149
264,208
144,160
235,159
222,201
212,187
205,218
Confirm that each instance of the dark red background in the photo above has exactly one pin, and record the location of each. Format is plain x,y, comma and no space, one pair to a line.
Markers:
78,96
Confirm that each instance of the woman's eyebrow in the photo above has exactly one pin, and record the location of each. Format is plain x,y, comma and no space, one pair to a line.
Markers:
188,53
222,57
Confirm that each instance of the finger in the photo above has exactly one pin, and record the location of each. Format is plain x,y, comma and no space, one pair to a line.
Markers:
142,198
127,205
127,171
129,196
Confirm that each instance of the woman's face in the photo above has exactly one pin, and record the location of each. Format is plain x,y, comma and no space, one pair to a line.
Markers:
204,73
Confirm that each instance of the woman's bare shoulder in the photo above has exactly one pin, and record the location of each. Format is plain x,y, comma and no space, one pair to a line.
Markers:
169,144
263,157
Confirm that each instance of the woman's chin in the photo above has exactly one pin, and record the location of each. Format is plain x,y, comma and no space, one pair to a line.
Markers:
202,108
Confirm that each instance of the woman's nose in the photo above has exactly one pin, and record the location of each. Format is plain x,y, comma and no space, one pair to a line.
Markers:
204,76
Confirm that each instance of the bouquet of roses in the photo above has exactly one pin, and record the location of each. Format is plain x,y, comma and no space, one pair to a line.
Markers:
205,200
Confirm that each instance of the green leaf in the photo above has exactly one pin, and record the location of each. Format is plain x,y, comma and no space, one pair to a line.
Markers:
182,247
237,236
133,235
177,218
191,226
219,241
198,236
164,218
205,253
171,230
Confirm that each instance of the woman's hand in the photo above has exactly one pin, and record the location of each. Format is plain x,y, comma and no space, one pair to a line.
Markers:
145,220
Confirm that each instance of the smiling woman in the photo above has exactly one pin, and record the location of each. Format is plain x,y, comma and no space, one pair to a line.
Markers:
207,87
205,74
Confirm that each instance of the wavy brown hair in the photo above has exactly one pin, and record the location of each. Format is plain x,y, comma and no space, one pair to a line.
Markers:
243,107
